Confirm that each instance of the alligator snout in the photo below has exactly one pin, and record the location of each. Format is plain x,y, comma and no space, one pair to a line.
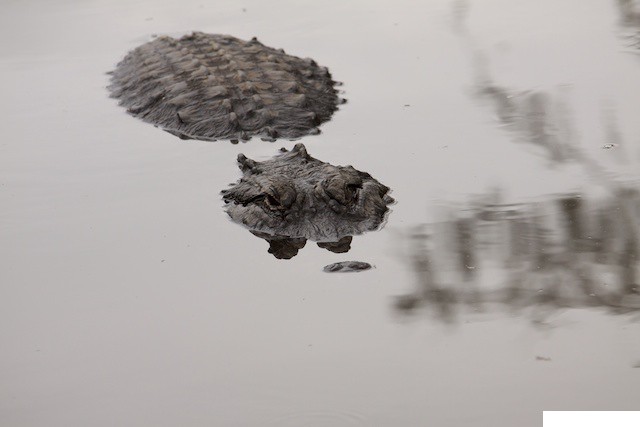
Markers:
297,196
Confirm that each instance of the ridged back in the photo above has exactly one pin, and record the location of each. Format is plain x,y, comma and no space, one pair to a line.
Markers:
208,86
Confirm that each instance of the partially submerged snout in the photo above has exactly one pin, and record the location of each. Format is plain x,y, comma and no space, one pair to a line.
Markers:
297,196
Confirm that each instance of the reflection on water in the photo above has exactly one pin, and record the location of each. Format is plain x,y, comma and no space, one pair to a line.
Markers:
630,21
459,15
533,117
283,247
567,251
629,11
541,119
544,118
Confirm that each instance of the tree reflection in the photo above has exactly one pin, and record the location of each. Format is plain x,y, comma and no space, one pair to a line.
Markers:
629,21
567,251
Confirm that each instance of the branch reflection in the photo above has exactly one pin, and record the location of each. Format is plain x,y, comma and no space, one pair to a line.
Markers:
567,251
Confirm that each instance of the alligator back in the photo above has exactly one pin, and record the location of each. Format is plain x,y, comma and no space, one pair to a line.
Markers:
209,86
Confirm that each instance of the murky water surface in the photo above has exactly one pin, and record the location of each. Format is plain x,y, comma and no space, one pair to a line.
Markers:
505,281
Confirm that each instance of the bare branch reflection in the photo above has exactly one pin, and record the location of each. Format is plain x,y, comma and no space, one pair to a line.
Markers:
629,22
561,251
543,118
531,116
567,251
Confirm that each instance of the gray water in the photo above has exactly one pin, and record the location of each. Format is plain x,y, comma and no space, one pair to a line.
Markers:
127,296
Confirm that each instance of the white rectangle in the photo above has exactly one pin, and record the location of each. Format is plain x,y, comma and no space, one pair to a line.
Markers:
591,418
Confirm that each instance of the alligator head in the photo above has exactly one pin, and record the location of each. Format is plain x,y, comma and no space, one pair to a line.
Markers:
294,196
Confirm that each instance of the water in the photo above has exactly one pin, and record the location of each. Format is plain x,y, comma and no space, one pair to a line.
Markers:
128,297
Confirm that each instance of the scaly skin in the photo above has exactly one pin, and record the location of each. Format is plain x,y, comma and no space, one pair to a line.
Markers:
294,196
211,86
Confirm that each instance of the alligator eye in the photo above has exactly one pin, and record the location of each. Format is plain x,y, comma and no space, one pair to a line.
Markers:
352,191
272,201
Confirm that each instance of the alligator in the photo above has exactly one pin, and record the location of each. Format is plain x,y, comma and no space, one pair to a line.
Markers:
211,86
294,197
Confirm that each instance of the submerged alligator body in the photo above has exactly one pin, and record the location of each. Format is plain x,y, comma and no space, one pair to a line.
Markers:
209,86
294,197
